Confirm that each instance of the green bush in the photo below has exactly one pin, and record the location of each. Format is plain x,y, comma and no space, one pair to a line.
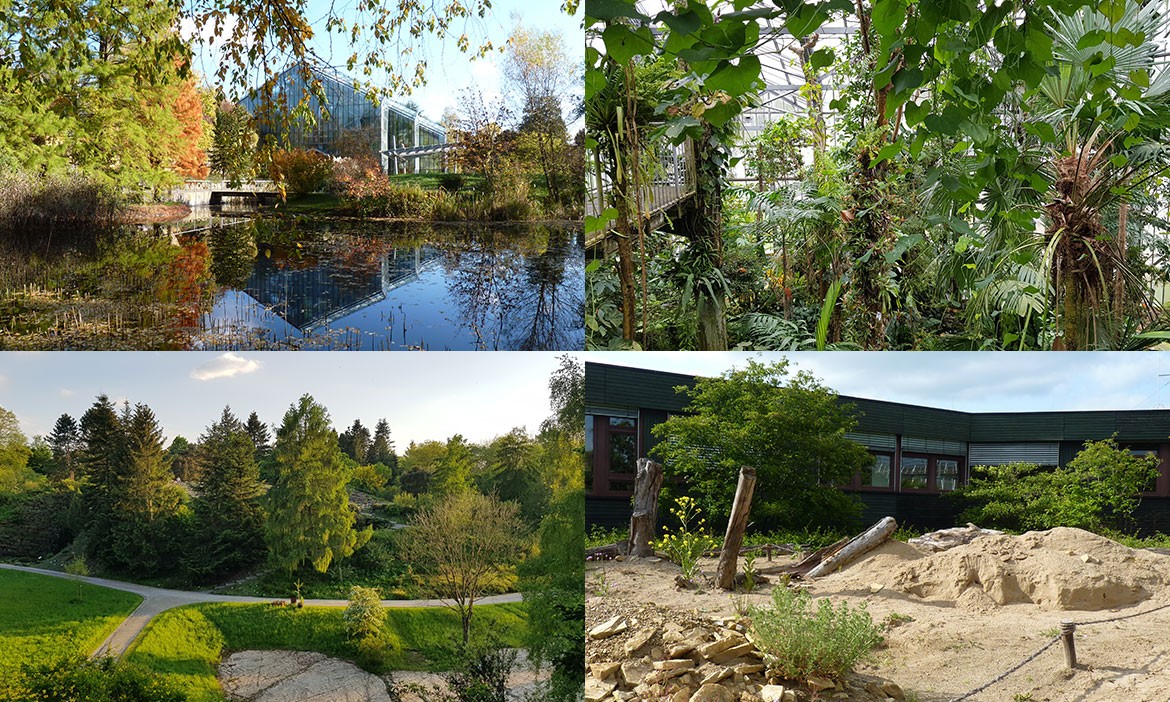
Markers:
798,641
1097,491
80,680
364,616
451,182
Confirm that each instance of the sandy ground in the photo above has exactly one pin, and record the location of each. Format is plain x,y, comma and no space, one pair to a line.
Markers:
947,633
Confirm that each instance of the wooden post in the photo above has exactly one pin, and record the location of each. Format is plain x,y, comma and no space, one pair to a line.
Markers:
1067,630
644,520
740,509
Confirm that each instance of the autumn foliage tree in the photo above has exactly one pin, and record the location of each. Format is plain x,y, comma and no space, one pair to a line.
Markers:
189,154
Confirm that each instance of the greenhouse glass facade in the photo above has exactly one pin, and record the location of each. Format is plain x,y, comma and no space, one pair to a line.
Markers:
353,120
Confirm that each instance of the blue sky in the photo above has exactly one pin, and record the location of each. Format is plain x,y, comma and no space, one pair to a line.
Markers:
423,395
972,382
448,70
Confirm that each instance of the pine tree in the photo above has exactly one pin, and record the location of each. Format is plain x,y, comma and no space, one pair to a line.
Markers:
310,518
229,521
65,441
382,448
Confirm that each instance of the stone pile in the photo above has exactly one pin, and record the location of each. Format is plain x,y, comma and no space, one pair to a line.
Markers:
702,661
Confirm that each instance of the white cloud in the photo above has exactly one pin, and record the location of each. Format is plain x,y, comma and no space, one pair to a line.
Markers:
65,392
226,366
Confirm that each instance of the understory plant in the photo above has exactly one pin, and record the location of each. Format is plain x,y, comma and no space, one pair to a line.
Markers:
689,541
799,639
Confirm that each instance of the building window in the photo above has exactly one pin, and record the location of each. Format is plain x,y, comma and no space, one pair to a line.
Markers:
877,475
1152,486
612,444
915,471
930,473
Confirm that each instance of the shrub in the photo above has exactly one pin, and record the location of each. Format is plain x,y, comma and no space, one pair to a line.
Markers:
367,478
1097,490
797,641
302,171
368,191
78,680
451,182
365,615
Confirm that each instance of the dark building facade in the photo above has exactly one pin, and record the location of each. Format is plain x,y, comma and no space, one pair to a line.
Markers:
920,453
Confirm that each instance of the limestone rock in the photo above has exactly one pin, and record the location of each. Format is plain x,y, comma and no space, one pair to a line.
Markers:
674,664
713,693
607,629
633,672
819,684
638,641
738,651
730,640
892,690
772,693
601,671
596,690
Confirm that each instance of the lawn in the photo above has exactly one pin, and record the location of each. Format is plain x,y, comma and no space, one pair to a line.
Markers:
42,619
187,644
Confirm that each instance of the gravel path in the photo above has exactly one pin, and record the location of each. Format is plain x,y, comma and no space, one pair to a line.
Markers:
157,599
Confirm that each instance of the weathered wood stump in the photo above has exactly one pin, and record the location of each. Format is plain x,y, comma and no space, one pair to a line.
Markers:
644,520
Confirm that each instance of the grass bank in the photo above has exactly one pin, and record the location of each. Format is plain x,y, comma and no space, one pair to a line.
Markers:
187,644
42,618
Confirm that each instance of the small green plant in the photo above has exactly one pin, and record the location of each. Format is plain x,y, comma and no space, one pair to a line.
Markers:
1051,633
364,616
600,584
741,607
689,541
749,572
894,619
1022,697
798,640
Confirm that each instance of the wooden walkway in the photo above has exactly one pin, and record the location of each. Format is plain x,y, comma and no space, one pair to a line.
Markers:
256,197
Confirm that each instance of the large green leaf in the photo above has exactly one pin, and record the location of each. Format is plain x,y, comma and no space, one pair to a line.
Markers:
623,43
607,10
735,78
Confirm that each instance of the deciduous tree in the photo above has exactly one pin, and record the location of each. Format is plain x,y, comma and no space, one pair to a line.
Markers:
14,453
465,542
310,518
790,428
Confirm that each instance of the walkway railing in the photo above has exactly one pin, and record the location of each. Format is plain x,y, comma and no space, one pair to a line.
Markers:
672,180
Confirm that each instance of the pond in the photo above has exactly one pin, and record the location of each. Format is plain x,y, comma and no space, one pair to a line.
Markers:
303,283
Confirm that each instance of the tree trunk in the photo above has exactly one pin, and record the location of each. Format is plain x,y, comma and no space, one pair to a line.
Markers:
644,520
466,616
872,538
706,232
740,510
626,273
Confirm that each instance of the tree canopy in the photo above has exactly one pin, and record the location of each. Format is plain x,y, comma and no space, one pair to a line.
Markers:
791,429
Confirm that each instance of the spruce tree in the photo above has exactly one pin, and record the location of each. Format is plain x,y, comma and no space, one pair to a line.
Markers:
355,442
310,518
65,441
258,433
102,455
228,534
142,534
382,448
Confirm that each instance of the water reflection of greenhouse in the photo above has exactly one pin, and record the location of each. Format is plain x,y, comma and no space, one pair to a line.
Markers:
354,117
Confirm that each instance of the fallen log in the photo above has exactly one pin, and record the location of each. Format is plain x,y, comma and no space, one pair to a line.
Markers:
808,562
603,553
872,538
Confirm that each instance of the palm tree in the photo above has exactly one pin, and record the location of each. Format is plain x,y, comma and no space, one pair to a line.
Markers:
1109,106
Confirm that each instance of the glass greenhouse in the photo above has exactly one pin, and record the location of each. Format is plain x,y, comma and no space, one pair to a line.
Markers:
353,121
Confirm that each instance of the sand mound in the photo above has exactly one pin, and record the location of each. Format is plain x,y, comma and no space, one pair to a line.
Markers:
1059,569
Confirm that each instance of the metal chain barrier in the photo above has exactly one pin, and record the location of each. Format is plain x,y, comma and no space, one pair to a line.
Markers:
1049,645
